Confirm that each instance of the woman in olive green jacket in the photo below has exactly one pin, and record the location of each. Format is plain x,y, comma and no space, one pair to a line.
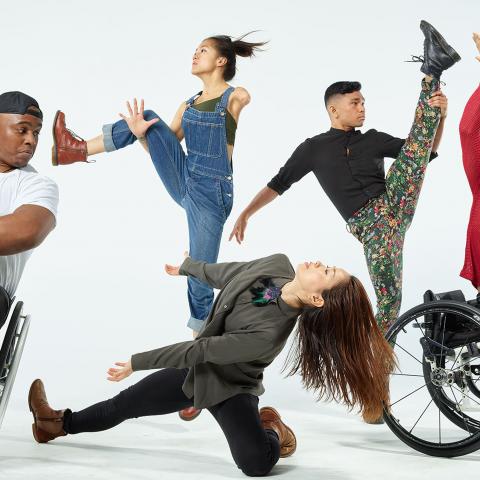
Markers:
339,352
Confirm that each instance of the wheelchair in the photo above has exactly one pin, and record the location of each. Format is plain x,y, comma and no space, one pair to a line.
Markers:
434,404
11,314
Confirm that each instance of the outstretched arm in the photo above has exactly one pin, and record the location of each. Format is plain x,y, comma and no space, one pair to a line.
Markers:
217,275
25,228
262,198
226,349
297,166
233,347
439,100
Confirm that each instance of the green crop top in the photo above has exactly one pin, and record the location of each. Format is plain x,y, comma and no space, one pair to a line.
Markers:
230,123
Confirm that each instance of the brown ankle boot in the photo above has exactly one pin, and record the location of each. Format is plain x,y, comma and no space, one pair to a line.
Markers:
67,146
271,420
48,423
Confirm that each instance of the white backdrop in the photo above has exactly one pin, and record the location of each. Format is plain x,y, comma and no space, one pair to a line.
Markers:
96,288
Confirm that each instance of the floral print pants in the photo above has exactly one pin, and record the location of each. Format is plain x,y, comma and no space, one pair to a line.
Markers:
382,223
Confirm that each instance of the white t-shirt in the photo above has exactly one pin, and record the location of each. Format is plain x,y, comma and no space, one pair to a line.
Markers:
20,187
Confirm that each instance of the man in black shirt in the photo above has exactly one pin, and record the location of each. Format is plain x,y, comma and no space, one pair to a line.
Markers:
349,166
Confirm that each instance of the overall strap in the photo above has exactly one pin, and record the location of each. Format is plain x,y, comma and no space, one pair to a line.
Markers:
222,104
192,99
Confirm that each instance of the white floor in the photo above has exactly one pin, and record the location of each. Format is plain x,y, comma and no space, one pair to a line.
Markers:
331,445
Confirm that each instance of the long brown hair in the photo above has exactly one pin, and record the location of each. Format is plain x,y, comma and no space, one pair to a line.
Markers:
229,48
341,353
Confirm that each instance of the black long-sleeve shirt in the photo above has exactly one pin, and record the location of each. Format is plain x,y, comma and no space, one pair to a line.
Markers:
348,165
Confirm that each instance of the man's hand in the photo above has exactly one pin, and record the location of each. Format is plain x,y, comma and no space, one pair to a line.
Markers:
136,123
239,228
439,100
174,270
118,374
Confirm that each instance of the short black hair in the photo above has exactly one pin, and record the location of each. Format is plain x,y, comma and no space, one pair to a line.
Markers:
340,88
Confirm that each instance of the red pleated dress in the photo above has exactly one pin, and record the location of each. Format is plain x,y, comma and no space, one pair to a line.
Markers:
470,139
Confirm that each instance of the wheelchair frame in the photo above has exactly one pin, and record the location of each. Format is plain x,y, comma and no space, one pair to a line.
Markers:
11,352
444,323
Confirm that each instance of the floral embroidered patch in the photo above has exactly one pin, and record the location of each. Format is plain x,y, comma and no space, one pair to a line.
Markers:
267,294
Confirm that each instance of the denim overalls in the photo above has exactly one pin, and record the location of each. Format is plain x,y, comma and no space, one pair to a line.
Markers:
200,182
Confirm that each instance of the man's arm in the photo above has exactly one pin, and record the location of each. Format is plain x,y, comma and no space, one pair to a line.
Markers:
25,228
262,198
438,135
439,100
297,166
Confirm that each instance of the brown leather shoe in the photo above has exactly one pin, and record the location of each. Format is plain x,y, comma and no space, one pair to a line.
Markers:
67,146
48,423
189,413
271,420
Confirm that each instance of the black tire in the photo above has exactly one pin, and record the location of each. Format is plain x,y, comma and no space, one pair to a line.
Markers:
9,340
407,324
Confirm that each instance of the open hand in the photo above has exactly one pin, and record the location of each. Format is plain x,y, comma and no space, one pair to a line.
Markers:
118,374
174,270
239,229
135,121
476,39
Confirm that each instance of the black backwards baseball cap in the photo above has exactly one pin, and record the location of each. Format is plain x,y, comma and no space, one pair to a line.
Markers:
19,103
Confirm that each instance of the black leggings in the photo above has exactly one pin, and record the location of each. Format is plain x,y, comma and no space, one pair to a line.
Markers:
254,450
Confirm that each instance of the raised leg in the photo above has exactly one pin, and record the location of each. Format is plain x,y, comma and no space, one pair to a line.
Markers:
165,150
405,177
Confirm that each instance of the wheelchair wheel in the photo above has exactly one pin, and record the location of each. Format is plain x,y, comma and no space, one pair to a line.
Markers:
431,406
10,354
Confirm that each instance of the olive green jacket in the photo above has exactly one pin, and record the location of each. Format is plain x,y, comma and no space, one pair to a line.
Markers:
223,364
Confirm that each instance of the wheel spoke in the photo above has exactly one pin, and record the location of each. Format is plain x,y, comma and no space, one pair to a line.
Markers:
411,393
456,358
407,375
420,327
461,413
408,353
439,429
444,318
421,415
464,394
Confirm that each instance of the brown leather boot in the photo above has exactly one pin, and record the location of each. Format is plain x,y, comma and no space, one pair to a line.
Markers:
271,420
67,146
48,423
189,413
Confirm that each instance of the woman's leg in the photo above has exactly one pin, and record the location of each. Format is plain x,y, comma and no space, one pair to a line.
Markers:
164,148
405,176
95,145
157,394
470,140
207,205
254,449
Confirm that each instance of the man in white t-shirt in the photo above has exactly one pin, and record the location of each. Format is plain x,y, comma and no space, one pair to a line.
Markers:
28,200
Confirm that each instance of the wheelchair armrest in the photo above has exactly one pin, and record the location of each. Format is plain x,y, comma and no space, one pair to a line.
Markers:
456,295
5,304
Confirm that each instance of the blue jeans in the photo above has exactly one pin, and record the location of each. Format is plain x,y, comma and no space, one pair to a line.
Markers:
206,197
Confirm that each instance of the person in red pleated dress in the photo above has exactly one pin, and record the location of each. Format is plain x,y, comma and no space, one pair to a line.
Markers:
470,139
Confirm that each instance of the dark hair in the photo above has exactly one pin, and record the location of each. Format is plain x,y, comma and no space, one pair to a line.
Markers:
229,48
340,88
340,351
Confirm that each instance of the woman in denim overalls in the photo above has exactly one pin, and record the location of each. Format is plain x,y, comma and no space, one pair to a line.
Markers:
200,181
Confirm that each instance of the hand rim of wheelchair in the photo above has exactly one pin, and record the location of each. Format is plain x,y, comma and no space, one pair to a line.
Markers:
11,352
450,449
